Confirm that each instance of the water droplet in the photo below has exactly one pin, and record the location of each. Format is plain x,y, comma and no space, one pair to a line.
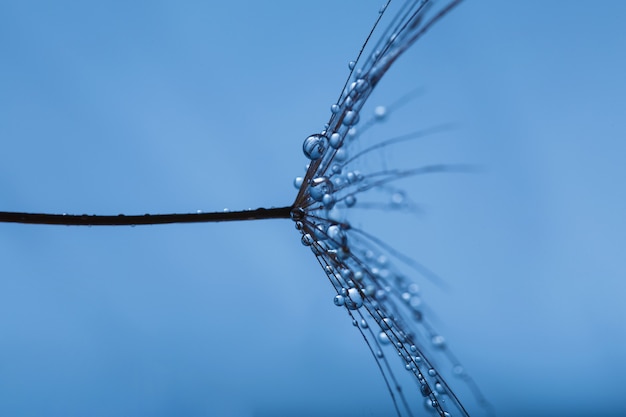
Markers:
318,231
341,155
361,85
432,372
346,273
438,341
397,198
328,200
383,338
339,300
386,323
439,388
337,236
380,112
340,181
351,118
297,182
314,146
425,389
364,324
348,102
335,108
351,65
415,302
307,239
350,200
354,300
319,187
335,140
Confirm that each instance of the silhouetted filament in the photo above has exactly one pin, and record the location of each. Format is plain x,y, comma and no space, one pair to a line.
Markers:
145,219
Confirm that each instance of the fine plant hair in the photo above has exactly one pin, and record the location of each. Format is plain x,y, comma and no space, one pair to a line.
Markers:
384,305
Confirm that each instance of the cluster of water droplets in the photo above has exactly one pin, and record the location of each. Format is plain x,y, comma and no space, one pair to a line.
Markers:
384,305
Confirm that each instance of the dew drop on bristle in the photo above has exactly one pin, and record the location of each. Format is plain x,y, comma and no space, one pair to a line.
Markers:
336,235
339,300
354,300
319,187
351,118
307,239
314,146
335,140
328,200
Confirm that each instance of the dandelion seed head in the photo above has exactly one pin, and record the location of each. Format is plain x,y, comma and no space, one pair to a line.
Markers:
384,304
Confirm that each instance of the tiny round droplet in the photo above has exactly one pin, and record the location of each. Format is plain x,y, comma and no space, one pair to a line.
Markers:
328,200
297,182
351,118
307,239
351,65
350,200
335,108
314,146
439,388
397,198
380,112
339,300
335,140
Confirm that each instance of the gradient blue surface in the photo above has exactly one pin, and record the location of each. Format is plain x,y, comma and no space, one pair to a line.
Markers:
179,106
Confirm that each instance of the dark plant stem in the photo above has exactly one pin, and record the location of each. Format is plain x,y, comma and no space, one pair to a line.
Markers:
145,219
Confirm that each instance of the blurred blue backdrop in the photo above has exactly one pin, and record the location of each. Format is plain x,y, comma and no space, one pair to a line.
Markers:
137,107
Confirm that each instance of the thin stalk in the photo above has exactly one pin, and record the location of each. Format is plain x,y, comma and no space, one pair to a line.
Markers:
144,219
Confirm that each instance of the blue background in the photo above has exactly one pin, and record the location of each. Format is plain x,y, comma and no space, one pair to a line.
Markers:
165,106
